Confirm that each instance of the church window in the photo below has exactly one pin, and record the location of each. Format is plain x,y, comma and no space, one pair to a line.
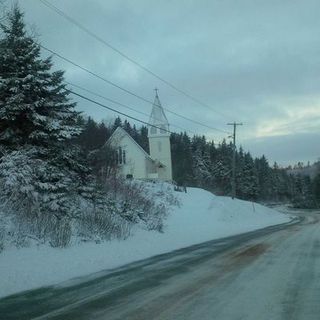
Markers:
120,155
163,129
153,130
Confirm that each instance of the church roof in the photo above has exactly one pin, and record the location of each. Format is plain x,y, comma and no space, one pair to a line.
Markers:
157,116
121,132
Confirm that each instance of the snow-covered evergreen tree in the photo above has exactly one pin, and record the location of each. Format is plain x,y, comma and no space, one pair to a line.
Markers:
182,159
264,178
34,104
201,162
37,121
221,169
303,196
249,181
201,168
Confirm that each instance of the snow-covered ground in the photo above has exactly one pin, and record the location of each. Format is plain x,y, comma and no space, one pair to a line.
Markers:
201,217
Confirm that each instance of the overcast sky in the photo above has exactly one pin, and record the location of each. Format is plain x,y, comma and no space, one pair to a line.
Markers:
251,61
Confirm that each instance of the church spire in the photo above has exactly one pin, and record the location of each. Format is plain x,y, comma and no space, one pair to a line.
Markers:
158,118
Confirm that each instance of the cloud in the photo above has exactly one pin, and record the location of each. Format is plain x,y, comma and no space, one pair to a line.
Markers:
254,61
286,149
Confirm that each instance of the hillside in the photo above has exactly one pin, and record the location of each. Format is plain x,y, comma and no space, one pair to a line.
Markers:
201,216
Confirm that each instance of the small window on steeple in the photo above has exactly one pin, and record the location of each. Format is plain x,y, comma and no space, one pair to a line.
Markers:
153,130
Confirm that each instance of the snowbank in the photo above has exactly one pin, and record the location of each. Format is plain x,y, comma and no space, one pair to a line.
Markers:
201,217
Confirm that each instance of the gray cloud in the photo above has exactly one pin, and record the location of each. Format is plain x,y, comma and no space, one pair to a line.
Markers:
256,61
287,149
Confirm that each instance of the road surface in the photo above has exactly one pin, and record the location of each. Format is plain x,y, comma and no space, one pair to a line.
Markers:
273,273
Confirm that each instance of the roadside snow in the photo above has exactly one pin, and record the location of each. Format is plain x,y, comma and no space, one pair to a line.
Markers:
201,217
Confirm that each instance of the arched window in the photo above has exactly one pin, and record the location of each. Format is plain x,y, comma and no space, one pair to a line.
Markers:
124,157
153,130
116,156
120,155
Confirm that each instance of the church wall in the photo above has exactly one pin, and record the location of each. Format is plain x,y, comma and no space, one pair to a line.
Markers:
135,159
150,167
160,150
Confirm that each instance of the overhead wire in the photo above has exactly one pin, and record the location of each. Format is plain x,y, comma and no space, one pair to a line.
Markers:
127,57
122,104
114,110
126,90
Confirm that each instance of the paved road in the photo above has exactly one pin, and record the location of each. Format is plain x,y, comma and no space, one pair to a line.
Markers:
273,273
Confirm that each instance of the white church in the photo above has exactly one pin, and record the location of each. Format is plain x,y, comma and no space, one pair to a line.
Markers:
134,161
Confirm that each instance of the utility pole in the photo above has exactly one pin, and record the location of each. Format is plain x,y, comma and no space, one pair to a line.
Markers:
234,124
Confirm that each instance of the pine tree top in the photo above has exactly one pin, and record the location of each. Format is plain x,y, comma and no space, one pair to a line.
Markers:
34,103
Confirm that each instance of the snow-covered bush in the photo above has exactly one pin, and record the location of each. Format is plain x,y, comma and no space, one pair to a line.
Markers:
112,208
38,197
48,203
101,222
139,202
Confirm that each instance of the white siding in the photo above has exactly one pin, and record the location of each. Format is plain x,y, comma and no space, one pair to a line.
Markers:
160,150
138,163
135,157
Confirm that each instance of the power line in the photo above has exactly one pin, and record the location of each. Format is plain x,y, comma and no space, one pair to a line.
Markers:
89,32
125,90
114,110
121,104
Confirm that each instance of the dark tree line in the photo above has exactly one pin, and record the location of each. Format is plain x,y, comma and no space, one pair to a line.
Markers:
202,163
95,135
199,162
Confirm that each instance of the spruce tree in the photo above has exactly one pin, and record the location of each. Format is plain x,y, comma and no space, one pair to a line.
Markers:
143,138
34,104
117,123
249,187
222,168
264,178
37,122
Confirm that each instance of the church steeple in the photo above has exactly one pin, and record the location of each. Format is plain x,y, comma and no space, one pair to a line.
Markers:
159,140
158,121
